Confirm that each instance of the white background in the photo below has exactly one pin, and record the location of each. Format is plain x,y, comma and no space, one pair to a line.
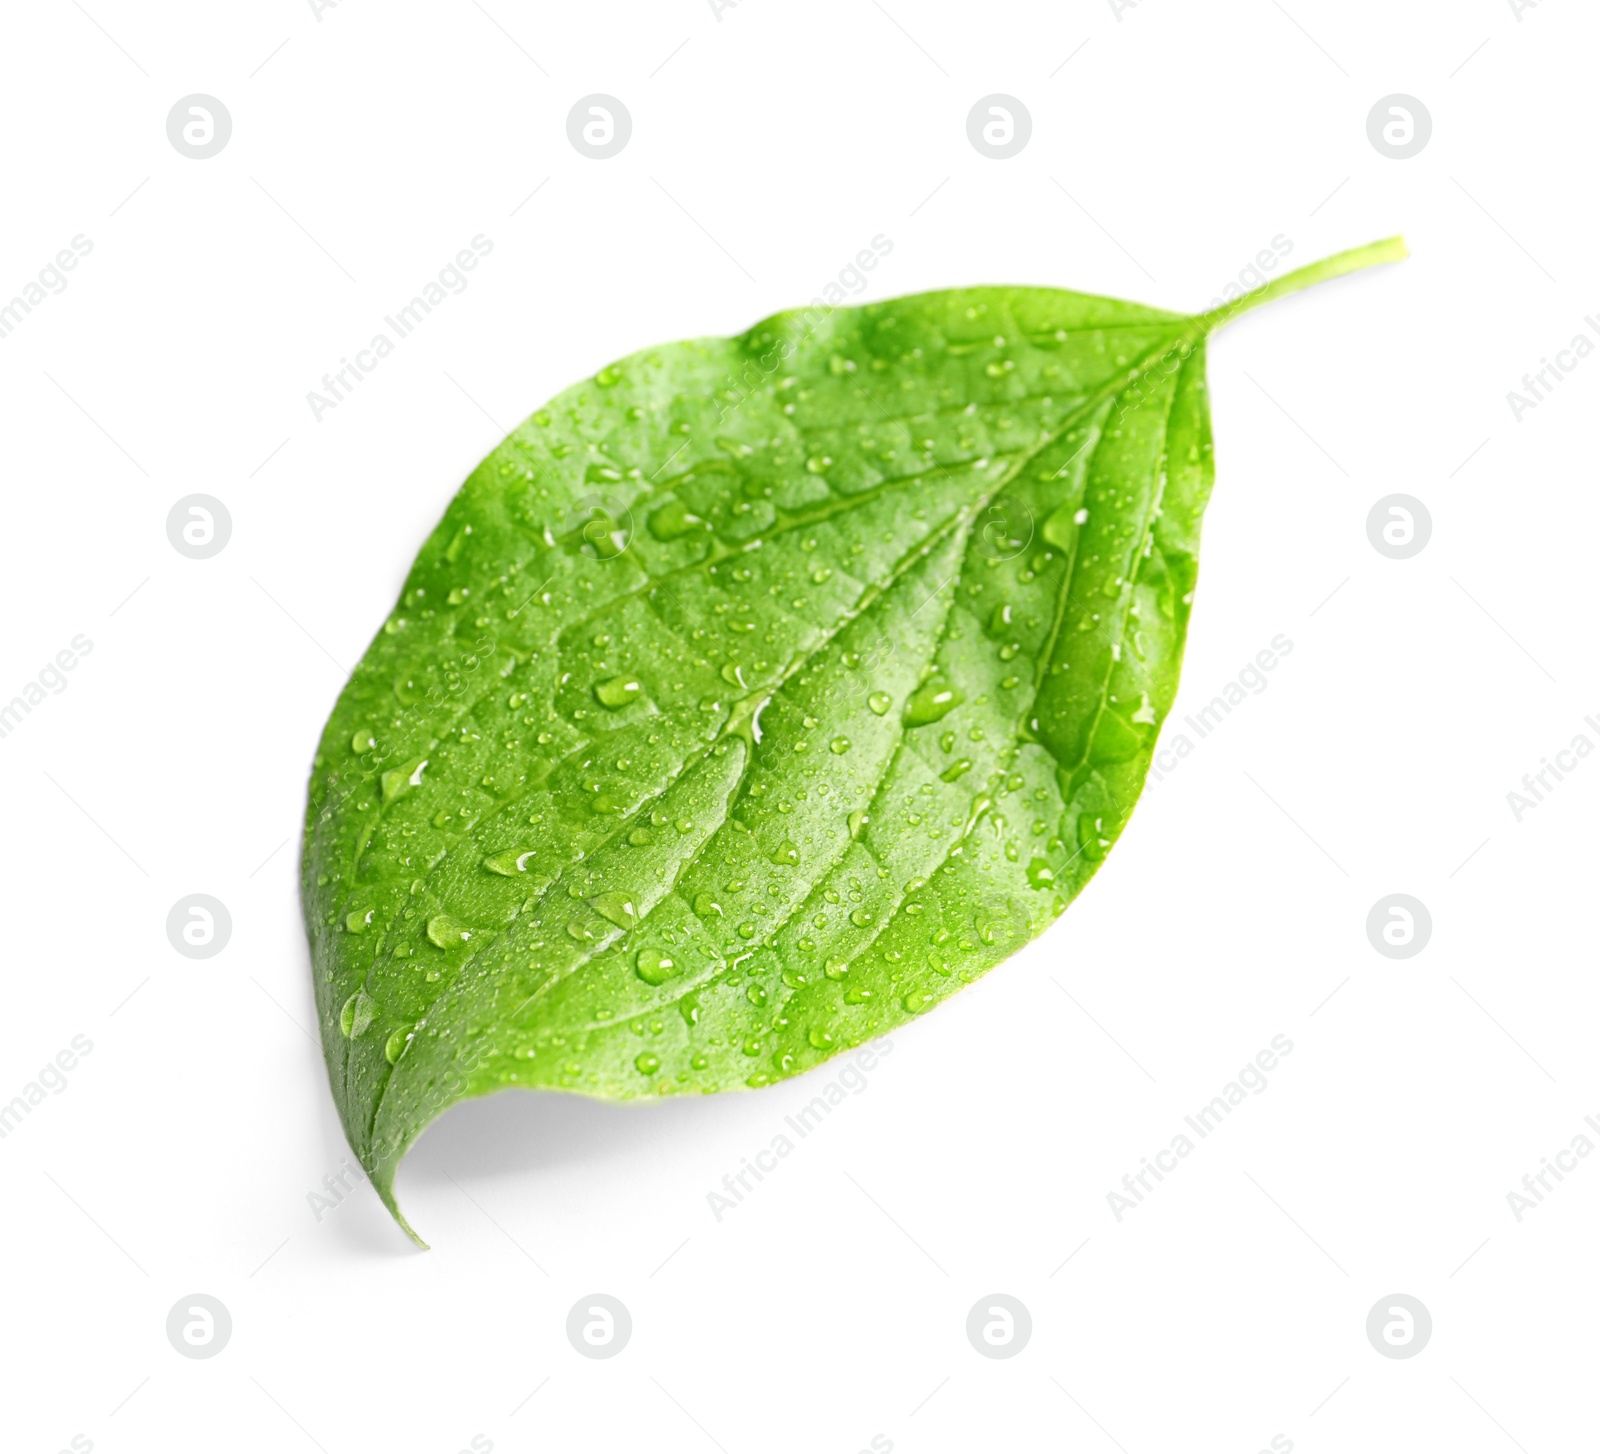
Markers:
1169,146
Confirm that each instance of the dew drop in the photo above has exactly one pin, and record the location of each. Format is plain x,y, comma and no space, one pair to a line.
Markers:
931,702
448,933
512,861
1061,528
674,520
357,1014
616,692
616,906
654,966
401,780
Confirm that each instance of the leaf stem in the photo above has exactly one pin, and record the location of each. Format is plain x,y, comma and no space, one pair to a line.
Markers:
1389,250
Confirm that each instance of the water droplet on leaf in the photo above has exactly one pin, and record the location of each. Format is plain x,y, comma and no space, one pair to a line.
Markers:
512,861
931,702
357,1014
616,906
448,933
654,966
673,520
617,692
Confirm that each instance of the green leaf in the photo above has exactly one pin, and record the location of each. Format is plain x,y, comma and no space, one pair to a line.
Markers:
755,695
